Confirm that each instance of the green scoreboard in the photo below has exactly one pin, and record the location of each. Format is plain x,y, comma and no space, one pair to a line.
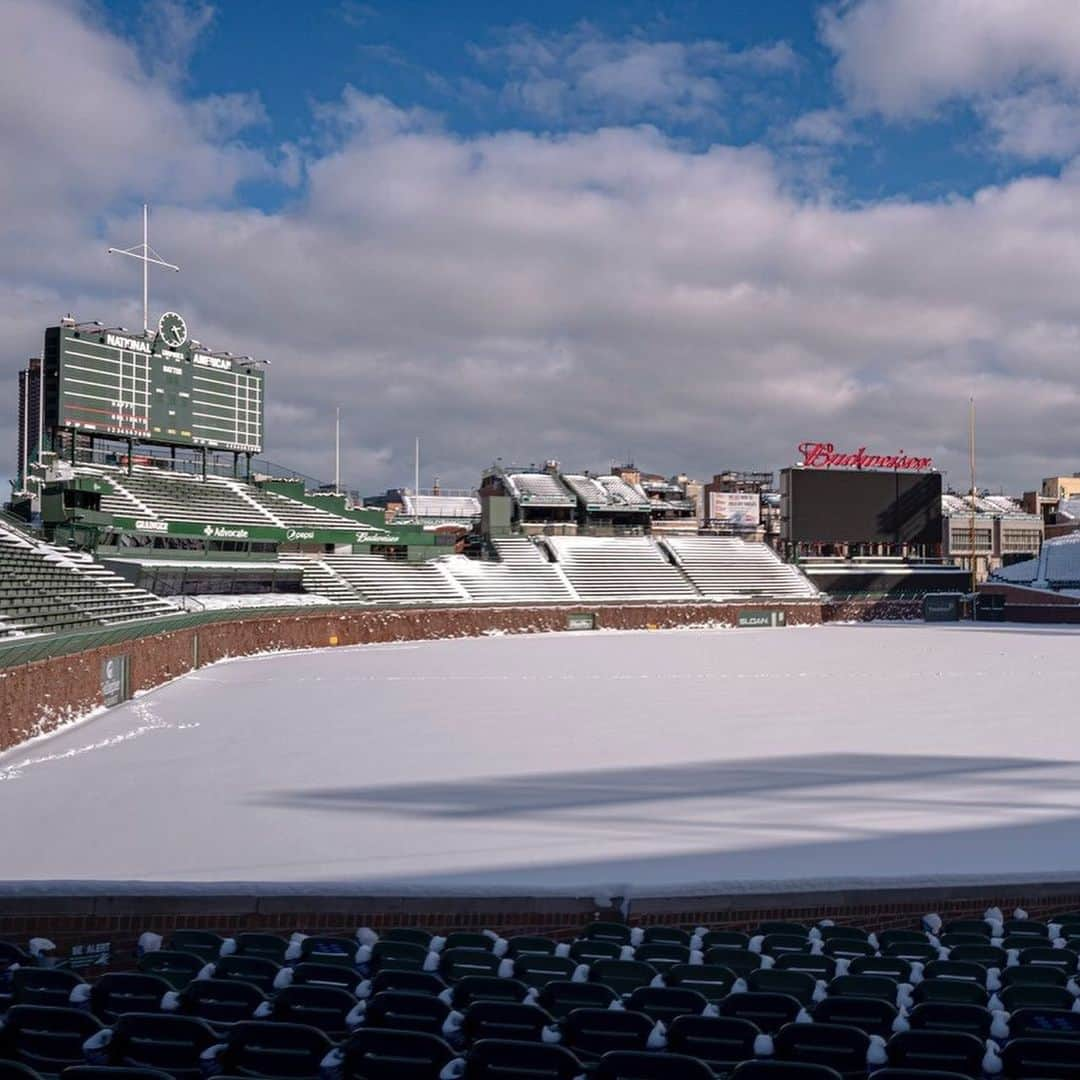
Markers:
156,387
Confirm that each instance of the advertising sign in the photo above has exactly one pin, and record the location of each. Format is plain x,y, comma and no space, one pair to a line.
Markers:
114,680
739,509
823,455
761,617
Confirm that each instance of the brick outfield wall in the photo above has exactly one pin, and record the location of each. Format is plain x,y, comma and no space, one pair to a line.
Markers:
39,697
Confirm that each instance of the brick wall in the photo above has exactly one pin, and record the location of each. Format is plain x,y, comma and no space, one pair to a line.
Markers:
39,697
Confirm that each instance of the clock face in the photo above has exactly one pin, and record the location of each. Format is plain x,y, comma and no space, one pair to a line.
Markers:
173,329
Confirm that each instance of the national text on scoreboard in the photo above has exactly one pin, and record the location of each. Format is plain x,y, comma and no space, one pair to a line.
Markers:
152,388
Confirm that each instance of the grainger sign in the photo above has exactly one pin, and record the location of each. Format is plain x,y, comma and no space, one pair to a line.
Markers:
822,455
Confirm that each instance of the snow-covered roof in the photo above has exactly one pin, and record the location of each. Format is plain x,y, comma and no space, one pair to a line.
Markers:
455,507
1057,566
984,505
539,489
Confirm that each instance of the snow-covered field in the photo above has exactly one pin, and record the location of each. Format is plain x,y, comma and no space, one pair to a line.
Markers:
585,764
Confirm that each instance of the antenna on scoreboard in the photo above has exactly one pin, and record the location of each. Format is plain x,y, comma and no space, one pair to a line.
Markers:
146,255
971,455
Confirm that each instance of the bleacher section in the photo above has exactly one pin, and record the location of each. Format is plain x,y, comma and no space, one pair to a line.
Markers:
159,495
1057,566
375,580
436,508
623,568
522,575
539,489
45,589
722,566
974,998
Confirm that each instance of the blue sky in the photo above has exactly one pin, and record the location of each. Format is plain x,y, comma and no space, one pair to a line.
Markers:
697,232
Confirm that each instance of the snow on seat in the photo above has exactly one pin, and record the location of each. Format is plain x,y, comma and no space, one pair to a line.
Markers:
619,568
729,566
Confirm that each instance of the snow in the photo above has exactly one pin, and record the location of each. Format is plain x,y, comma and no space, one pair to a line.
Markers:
618,764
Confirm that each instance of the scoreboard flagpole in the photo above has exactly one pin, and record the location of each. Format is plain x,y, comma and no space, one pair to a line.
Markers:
146,255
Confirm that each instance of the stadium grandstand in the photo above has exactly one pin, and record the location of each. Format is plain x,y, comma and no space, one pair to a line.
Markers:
1055,569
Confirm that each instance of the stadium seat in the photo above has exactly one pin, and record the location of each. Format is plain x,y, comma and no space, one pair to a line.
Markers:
821,968
505,1020
778,944
1033,996
843,948
322,1007
203,944
912,951
263,946
13,1070
797,984
537,971
967,926
455,964
957,970
945,1051
320,949
475,988
325,975
530,945
890,1073
636,1065
872,1015
963,993
669,935
255,970
415,982
769,1011
591,1033
623,976
1026,928
720,1041
725,939
990,956
843,933
1033,976
711,981
378,1054
403,955
562,998
588,950
662,955
176,968
1044,956
616,933
44,1037
951,1016
783,1070
173,1044
841,1048
43,986
1044,1024
868,986
467,939
118,992
736,960
256,1048
888,967
412,935
1046,1059
105,1072
500,1059
401,1011
220,1001
896,937
775,926
956,941
664,1003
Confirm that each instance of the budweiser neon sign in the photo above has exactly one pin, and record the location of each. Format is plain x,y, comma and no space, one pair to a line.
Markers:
819,455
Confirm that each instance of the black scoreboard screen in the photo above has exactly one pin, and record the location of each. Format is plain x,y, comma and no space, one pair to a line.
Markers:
127,385
861,506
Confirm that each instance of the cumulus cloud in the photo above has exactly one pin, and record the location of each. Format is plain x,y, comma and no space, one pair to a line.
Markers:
587,75
526,295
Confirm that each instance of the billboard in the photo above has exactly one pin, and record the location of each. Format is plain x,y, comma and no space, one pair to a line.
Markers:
156,387
739,509
860,506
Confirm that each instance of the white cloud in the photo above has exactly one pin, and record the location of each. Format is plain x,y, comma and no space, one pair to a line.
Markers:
823,127
904,58
526,295
584,74
1040,123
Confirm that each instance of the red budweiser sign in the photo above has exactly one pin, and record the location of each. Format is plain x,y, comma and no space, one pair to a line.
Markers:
823,455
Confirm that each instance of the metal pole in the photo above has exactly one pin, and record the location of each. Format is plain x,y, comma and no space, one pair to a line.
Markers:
146,268
337,451
416,477
971,454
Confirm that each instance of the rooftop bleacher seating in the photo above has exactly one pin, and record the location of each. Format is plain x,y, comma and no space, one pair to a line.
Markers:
45,589
728,566
463,508
539,489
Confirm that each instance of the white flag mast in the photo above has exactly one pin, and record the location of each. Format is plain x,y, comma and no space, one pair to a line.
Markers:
146,255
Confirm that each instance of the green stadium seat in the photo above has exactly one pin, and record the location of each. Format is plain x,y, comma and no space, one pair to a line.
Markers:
798,984
623,976
562,998
388,952
871,1015
220,1001
502,1059
1034,996
205,945
379,1054
44,1037
664,1003
272,1050
783,1070
662,955
638,1065
832,1045
720,1041
176,968
43,986
256,970
889,967
962,993
726,939
262,946
945,1051
712,981
505,1020
118,992
770,1012
473,988
529,945
668,935
537,971
322,1007
1044,1059
591,1033
822,968
951,1016
171,1043
401,1011
414,982
455,964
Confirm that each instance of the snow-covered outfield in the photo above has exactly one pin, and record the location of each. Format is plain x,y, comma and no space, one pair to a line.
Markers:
587,764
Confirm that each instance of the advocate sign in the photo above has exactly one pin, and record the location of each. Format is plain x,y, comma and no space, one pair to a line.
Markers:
823,455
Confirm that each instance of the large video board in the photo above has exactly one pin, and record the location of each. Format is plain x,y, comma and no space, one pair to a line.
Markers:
152,389
860,506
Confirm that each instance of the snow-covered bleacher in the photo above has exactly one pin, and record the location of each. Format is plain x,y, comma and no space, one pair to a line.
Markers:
522,575
383,581
436,508
539,489
722,566
159,495
1057,566
983,997
619,568
46,589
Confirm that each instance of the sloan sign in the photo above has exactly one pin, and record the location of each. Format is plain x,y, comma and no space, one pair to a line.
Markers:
823,455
